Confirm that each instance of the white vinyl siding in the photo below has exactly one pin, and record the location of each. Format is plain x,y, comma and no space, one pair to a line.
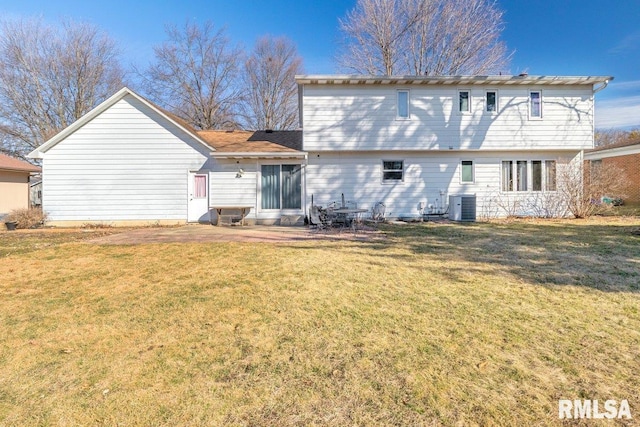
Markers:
348,118
429,177
128,163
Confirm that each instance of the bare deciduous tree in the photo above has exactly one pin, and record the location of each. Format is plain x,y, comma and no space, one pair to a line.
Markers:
582,186
195,76
423,37
614,136
50,77
272,97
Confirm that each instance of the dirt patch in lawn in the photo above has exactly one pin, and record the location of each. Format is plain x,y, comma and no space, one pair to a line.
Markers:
207,233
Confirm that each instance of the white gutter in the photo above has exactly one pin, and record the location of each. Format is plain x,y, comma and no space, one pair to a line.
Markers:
265,155
602,86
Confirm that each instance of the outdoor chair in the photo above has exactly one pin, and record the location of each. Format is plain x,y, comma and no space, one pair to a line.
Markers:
378,212
319,218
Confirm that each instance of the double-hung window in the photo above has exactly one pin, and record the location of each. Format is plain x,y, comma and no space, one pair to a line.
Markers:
535,104
402,101
392,170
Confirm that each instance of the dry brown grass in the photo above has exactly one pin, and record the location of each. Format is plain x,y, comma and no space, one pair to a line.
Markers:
439,324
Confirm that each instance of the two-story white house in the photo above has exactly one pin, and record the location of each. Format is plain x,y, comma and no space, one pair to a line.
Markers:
408,142
414,141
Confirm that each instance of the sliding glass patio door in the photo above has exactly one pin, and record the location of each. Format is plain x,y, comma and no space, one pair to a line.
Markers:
281,187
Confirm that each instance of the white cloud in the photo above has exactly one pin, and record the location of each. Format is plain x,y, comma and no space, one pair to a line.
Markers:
623,85
623,112
627,45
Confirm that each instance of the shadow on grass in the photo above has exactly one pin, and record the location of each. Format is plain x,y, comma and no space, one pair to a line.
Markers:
551,253
603,257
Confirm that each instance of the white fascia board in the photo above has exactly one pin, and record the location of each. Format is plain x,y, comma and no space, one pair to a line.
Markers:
613,152
268,155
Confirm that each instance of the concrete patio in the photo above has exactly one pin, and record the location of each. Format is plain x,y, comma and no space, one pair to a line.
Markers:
194,233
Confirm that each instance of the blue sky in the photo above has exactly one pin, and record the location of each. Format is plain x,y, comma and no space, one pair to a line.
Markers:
548,37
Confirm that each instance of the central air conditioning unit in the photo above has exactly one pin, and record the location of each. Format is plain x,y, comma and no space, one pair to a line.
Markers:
462,207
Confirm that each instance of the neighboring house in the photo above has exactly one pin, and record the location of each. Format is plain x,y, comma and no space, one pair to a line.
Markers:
414,141
407,142
14,183
625,156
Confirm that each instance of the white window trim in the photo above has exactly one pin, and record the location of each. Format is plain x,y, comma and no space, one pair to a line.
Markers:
278,162
473,172
468,101
497,101
408,92
392,181
531,117
514,172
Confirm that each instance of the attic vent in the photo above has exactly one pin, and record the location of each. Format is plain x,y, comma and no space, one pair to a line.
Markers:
268,130
525,74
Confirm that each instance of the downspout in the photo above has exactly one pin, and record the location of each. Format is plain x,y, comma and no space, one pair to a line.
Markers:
604,85
593,126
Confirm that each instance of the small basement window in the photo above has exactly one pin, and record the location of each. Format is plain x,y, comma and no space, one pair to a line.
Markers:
392,170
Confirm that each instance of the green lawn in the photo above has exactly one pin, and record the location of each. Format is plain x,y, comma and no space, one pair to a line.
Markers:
438,324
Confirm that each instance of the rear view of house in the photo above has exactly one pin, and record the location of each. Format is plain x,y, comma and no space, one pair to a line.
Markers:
14,183
412,142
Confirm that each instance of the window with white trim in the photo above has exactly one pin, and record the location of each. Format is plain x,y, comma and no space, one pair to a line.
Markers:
550,175
521,175
281,187
392,170
515,175
535,104
491,101
464,101
402,103
507,175
467,172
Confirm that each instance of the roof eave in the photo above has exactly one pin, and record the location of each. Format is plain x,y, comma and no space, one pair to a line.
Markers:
347,79
259,155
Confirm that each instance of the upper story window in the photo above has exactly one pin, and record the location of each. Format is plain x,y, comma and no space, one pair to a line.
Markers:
535,104
491,98
392,170
464,104
402,111
466,171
